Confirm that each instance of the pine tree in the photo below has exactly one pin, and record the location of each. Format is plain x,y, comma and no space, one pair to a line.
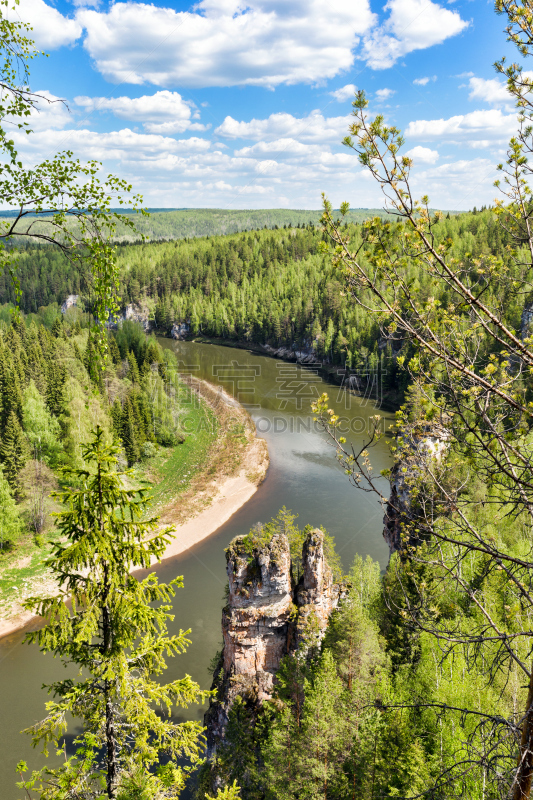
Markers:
13,450
115,632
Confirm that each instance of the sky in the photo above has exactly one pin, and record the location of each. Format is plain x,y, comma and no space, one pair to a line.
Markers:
244,103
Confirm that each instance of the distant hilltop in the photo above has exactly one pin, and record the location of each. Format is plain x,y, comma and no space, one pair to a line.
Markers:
183,223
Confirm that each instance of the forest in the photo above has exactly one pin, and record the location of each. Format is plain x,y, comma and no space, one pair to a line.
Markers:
260,287
190,223
51,399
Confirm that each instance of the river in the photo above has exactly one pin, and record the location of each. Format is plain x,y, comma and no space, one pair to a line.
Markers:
304,476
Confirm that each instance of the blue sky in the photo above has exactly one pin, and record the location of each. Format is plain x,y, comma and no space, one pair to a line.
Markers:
233,104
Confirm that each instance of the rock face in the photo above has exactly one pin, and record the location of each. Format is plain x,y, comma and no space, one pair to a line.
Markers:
72,300
303,356
525,321
267,616
180,330
429,445
139,314
316,594
135,313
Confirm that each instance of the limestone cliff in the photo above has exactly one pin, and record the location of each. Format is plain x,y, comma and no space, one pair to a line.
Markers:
266,617
428,444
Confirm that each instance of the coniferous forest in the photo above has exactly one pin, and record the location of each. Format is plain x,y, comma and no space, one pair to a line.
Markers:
261,287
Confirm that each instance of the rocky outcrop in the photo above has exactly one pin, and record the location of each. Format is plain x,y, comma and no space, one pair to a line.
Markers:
266,617
428,444
72,300
180,330
139,314
316,594
302,356
135,313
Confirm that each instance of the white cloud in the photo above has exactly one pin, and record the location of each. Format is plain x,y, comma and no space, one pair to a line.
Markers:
411,25
483,125
423,154
384,94
112,145
162,112
279,146
50,28
458,185
344,93
490,90
314,128
188,172
290,151
226,42
424,81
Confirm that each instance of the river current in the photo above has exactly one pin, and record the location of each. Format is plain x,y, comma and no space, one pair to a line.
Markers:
304,476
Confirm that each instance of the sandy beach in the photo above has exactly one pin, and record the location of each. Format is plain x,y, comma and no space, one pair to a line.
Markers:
211,504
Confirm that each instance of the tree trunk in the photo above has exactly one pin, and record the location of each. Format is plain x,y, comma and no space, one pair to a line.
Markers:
524,774
111,746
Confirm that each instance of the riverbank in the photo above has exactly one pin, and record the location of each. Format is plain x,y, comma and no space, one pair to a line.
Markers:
236,465
366,385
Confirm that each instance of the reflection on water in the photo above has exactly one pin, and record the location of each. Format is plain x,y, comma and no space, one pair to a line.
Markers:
304,476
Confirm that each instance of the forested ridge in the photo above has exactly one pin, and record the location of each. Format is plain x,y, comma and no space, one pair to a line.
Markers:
197,222
263,287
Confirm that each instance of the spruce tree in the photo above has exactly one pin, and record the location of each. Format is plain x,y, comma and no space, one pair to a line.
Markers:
13,450
114,630
133,369
90,359
56,380
11,525
322,741
116,416
56,327
11,394
129,433
114,352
